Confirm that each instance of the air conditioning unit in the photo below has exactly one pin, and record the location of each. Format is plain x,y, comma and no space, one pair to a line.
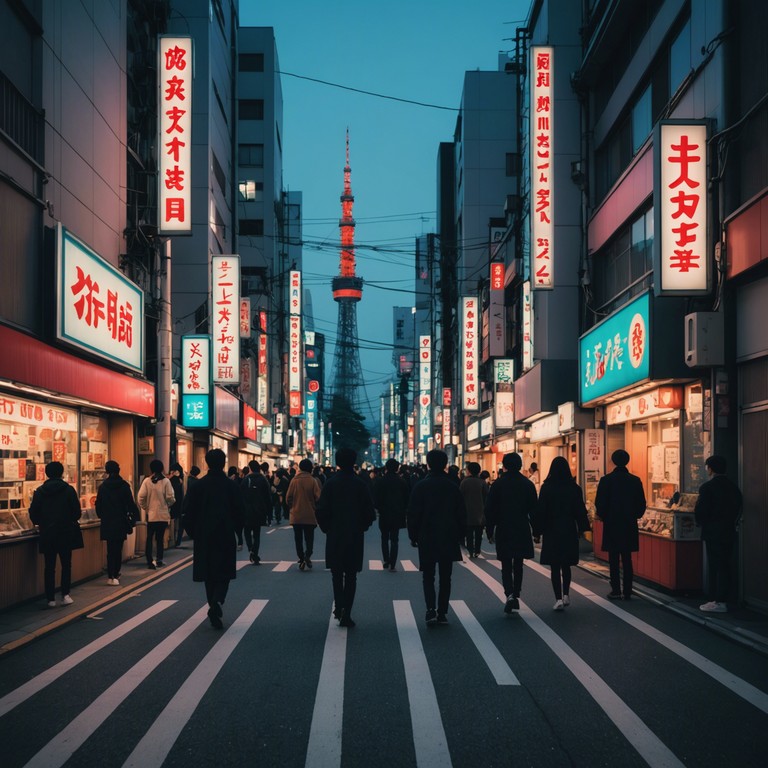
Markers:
704,339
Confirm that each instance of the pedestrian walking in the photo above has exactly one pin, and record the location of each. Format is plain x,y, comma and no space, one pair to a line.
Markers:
344,513
258,504
55,510
620,503
176,476
560,519
118,512
437,521
390,497
475,491
509,513
302,497
213,508
717,512
155,498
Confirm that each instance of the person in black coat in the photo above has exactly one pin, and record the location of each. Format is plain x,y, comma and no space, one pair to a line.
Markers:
390,496
344,513
561,518
55,510
117,510
509,511
176,476
620,503
437,523
213,510
258,505
717,512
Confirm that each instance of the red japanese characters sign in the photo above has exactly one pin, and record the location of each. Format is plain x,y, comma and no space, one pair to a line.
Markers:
174,70
497,276
100,310
542,166
681,244
470,354
225,309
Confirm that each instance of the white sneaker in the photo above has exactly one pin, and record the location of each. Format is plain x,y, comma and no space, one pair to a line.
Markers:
559,605
66,600
115,583
714,607
51,603
566,600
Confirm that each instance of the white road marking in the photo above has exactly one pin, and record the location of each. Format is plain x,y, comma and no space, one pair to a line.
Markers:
428,733
408,566
375,565
488,651
156,744
324,747
637,733
283,566
37,683
59,749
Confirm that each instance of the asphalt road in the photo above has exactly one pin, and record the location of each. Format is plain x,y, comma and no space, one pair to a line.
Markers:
148,682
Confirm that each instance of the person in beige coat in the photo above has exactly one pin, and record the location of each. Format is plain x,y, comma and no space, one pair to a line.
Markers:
155,498
301,497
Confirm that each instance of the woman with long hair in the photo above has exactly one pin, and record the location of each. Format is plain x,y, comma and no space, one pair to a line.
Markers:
561,518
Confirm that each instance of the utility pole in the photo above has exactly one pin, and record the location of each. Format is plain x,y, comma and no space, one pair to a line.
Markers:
165,357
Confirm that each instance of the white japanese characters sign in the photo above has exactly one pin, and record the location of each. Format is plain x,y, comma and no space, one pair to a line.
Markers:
470,353
425,387
195,365
225,318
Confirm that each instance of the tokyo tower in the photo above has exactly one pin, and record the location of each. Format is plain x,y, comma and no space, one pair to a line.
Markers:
347,291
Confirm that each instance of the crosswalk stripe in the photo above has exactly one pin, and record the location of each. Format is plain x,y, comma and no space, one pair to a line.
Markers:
324,747
408,566
637,733
31,687
488,651
156,744
283,566
428,733
59,749
375,565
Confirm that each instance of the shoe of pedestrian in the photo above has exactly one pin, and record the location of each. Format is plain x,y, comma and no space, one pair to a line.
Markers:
151,566
239,547
66,600
392,568
160,564
558,605
51,603
714,607
566,600
302,565
442,618
431,616
508,604
251,557
346,620
308,563
115,583
614,595
215,618
385,565
336,613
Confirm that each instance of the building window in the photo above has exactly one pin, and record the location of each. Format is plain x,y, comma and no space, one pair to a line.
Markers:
218,173
251,154
251,62
680,57
642,123
251,109
252,227
513,164
251,191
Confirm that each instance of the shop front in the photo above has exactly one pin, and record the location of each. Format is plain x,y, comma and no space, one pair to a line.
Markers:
658,417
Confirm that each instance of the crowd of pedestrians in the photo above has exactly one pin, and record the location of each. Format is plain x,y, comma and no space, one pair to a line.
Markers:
442,507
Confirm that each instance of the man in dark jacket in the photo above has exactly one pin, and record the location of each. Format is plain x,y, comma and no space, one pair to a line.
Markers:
390,496
118,512
717,511
620,503
509,511
258,505
55,510
344,513
213,510
437,521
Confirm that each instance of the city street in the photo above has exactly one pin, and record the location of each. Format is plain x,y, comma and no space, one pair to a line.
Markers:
146,681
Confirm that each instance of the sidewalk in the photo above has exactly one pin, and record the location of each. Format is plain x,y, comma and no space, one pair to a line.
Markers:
23,623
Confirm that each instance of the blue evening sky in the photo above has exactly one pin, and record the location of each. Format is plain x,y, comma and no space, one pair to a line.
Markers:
417,50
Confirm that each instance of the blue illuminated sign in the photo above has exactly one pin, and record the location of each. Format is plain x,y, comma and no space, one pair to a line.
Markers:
196,411
615,354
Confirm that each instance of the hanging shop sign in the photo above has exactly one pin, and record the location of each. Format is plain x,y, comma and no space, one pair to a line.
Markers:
99,310
425,387
294,344
470,382
527,326
615,353
541,143
504,410
249,422
175,73
245,318
195,381
680,243
225,304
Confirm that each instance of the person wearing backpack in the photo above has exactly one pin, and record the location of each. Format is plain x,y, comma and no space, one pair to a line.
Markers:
258,502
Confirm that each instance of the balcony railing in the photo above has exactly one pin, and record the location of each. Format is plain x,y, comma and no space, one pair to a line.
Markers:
21,121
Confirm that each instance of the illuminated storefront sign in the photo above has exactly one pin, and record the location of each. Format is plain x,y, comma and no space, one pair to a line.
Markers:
425,387
175,72
99,309
225,307
245,318
262,396
681,245
195,381
470,357
541,144
294,344
527,326
615,354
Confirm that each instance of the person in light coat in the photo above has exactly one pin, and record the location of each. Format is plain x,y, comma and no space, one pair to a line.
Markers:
302,497
156,497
